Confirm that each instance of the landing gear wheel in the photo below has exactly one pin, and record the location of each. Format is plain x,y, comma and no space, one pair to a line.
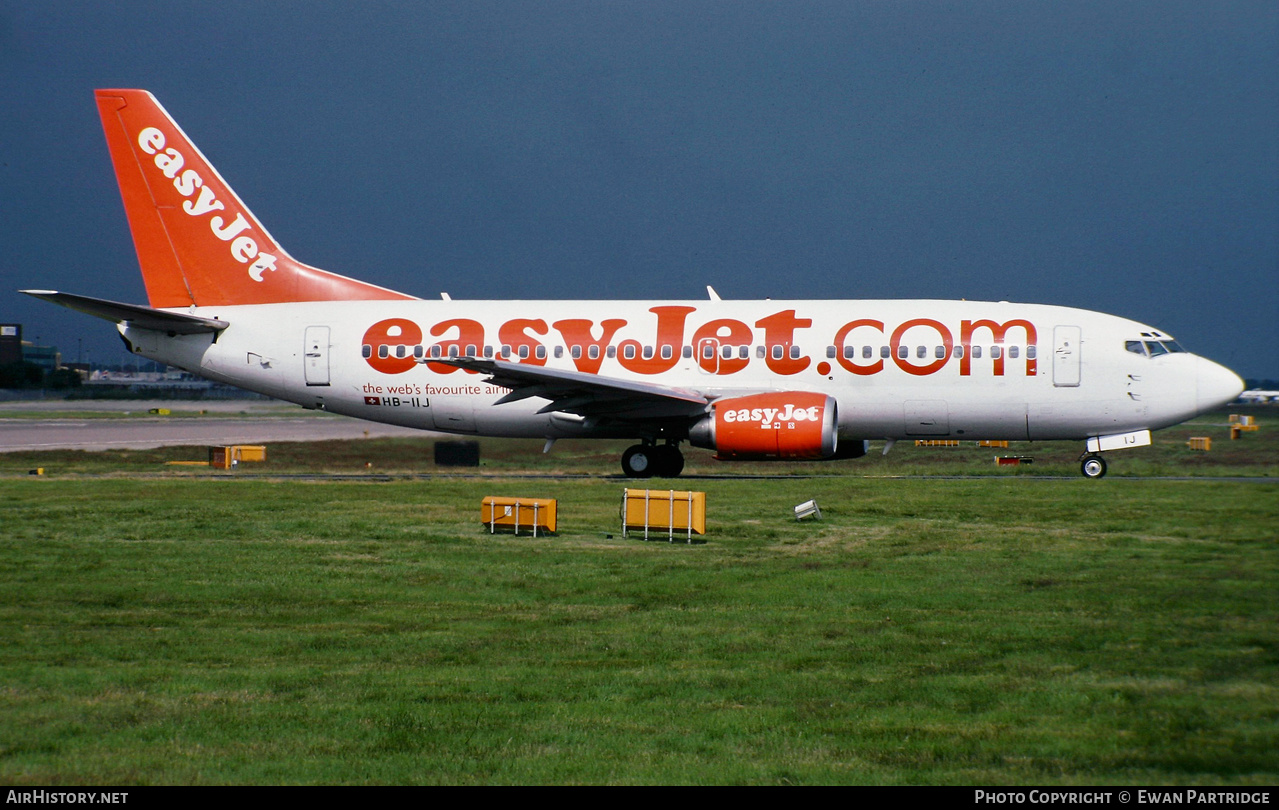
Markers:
1093,467
639,461
668,461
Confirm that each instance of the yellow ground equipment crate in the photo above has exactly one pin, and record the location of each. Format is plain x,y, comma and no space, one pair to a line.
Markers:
661,511
512,513
224,458
1200,443
1242,422
937,442
248,452
993,443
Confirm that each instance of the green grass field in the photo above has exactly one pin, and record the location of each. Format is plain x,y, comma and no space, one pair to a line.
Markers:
177,627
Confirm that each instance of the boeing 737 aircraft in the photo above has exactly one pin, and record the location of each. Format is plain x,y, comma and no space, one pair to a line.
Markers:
748,379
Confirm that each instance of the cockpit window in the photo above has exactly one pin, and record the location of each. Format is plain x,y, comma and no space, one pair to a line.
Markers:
1153,348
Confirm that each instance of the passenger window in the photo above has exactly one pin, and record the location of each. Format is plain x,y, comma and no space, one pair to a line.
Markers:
506,350
648,352
957,352
1013,351
524,352
367,351
903,352
885,352
628,353
976,352
688,352
849,352
744,352
778,351
612,352
727,352
593,352
383,351
1031,352
470,350
488,351
708,351
939,352
453,350
668,351
996,352
868,352
417,351
921,352
760,352
540,352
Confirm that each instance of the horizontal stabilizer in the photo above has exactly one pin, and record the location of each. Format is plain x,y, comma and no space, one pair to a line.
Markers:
143,317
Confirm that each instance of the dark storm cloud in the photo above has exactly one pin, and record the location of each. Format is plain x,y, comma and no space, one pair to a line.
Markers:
1120,157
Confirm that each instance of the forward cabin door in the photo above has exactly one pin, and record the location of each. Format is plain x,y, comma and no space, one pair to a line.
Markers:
1066,340
316,360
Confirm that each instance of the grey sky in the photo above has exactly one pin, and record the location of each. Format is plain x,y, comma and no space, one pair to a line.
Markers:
1122,157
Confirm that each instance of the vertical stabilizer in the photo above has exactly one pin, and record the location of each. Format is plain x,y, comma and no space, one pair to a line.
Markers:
197,242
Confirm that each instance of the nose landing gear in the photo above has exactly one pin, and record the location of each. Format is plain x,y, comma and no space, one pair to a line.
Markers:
1092,466
652,460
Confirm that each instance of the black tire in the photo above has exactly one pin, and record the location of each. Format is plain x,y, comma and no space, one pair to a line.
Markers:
1093,467
668,461
640,461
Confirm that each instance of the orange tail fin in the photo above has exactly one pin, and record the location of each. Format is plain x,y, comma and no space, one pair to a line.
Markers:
197,242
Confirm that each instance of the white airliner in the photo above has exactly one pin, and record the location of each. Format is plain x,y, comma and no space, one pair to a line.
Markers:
749,379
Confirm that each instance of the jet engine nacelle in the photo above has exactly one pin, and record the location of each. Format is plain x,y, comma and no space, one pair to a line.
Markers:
789,424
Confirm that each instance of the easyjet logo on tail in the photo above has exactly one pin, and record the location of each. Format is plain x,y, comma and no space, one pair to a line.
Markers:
241,245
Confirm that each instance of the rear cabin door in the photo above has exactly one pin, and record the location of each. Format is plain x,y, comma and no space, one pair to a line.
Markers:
1066,344
316,360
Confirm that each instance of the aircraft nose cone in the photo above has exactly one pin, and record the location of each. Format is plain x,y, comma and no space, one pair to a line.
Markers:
1216,385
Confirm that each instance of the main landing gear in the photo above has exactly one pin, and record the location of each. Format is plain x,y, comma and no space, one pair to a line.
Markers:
1092,465
653,460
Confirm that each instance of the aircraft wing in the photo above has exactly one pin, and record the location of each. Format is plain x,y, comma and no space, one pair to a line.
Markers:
588,395
176,323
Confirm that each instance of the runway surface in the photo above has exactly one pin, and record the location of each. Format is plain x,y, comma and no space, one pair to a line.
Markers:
128,426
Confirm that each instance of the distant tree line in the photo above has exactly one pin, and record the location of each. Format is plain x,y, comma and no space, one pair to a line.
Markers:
29,375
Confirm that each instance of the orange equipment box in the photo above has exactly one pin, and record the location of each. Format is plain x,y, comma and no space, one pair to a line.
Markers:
664,511
937,442
1200,443
1013,461
512,513
221,457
